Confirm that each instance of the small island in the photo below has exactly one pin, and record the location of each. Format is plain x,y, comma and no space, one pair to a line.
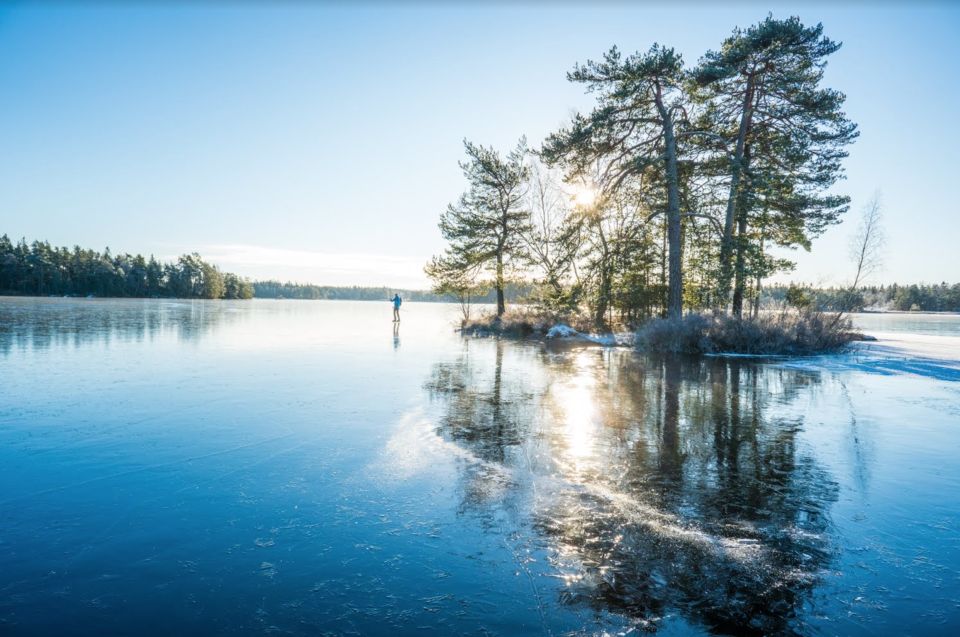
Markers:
657,210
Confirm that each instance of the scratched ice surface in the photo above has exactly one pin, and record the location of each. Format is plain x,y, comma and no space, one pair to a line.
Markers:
305,468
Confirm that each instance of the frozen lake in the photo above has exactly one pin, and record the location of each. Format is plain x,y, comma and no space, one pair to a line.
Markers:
308,468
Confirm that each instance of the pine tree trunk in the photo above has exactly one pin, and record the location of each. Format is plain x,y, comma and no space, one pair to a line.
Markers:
736,172
758,279
675,292
603,296
756,298
501,305
663,270
740,266
740,279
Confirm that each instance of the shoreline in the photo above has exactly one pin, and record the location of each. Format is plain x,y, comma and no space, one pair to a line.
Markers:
908,312
908,345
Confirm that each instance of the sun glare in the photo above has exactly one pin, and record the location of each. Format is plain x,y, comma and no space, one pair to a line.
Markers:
584,196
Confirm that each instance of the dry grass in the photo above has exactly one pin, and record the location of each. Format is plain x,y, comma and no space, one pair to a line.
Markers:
775,333
524,322
783,333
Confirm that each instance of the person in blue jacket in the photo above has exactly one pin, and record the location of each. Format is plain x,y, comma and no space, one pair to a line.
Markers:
396,308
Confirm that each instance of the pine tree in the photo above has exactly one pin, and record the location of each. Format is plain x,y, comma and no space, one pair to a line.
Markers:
633,133
485,228
783,134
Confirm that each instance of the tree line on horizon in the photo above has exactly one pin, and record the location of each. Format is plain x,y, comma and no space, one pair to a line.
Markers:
272,289
41,269
915,297
515,291
670,193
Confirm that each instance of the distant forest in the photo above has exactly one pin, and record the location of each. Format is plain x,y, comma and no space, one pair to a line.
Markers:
278,290
942,297
41,269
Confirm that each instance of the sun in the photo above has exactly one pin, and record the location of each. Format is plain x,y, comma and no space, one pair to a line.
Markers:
583,196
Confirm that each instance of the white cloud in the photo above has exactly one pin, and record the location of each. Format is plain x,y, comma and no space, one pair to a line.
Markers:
322,268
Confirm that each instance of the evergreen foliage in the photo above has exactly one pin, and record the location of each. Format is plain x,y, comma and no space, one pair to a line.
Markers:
41,269
779,139
629,141
485,227
695,173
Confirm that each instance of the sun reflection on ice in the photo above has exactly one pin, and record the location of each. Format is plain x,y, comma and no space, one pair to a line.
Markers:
576,411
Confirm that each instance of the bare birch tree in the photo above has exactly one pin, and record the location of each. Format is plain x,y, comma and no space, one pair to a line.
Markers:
866,244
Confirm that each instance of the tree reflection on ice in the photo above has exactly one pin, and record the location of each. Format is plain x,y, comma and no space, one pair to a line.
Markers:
659,485
42,323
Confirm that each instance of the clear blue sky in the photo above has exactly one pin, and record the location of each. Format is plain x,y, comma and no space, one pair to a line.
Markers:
320,143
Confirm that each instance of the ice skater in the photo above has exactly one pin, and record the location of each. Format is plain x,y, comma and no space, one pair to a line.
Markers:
396,308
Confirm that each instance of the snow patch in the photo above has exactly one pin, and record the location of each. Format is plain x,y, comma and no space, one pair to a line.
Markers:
562,331
608,340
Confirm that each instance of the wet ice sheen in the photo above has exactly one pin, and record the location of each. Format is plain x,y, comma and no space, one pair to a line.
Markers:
216,468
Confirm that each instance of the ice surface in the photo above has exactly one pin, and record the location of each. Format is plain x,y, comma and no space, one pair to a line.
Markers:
307,468
917,346
932,356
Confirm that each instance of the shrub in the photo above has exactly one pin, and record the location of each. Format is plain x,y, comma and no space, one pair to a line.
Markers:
688,335
524,321
771,334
